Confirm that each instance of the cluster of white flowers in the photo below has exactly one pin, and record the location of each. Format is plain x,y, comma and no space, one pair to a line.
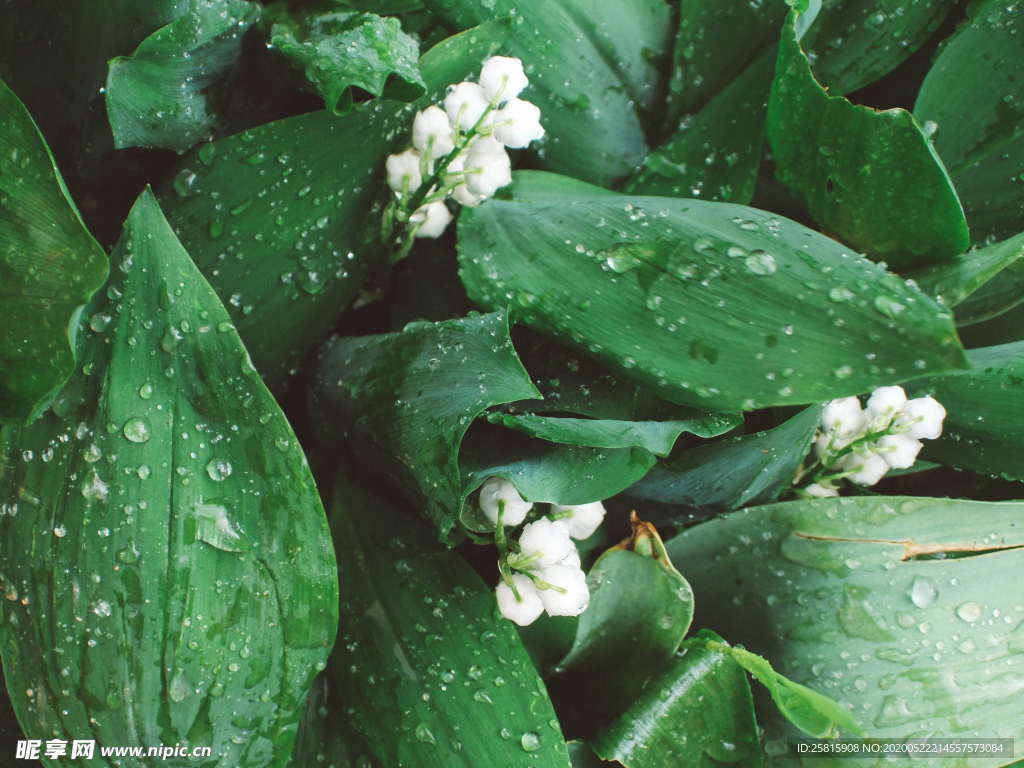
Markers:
460,150
863,444
542,572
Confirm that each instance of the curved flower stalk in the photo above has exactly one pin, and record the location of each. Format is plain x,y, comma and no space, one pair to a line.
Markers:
862,444
459,152
540,572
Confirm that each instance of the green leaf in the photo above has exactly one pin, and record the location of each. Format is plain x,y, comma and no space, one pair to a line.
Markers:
808,710
984,426
953,282
875,179
340,50
709,304
857,42
892,605
639,613
157,97
714,154
163,531
735,472
545,472
658,437
49,267
325,739
593,69
977,103
698,713
714,43
434,677
995,298
276,216
403,401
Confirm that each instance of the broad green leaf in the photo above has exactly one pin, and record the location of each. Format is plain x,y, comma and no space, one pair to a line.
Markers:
593,69
432,676
639,613
582,756
711,305
49,267
984,426
976,103
163,546
340,50
698,713
157,97
808,710
734,472
402,402
658,437
714,43
283,218
954,281
995,298
1003,328
545,472
906,610
856,42
874,179
714,154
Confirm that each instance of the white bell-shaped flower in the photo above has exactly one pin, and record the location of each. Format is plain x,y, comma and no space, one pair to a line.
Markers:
431,129
461,192
517,124
843,416
488,167
498,493
465,105
502,78
582,519
921,418
883,405
432,219
523,610
820,491
544,542
865,468
899,451
570,595
403,171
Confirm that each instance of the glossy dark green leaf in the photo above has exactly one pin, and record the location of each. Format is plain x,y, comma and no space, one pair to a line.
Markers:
49,267
871,177
165,553
325,738
905,610
157,97
714,154
545,472
658,437
735,472
402,402
711,305
639,613
856,42
984,426
593,69
1003,328
814,714
283,218
431,675
698,713
582,756
976,103
340,50
714,43
954,282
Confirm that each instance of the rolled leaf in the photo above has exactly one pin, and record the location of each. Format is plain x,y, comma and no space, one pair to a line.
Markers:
50,266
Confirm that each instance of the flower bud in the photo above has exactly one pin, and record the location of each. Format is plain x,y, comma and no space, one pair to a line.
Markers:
883,404
430,128
403,171
898,451
524,610
502,78
544,542
582,519
844,416
570,595
433,219
488,167
866,468
921,418
465,105
820,491
500,493
517,124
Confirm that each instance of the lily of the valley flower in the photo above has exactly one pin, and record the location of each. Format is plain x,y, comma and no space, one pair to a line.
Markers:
582,519
431,129
523,605
499,495
517,124
502,78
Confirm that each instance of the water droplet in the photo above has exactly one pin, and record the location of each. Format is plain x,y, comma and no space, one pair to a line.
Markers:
60,531
530,741
218,469
146,391
969,611
94,488
136,430
761,263
923,592
424,735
